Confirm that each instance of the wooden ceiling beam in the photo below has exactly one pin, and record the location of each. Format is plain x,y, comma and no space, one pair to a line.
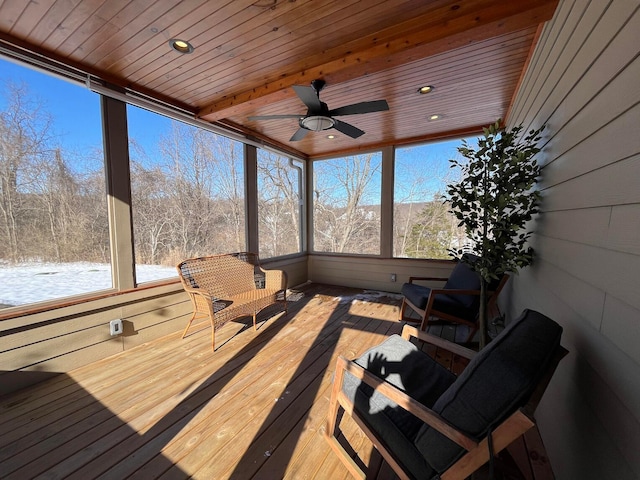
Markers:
447,28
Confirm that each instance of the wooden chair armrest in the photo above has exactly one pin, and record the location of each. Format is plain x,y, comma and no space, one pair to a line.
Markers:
403,400
409,331
440,279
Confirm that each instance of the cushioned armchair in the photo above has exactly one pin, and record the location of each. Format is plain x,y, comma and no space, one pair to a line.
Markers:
426,422
457,301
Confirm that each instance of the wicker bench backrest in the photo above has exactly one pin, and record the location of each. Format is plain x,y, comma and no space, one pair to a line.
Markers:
221,276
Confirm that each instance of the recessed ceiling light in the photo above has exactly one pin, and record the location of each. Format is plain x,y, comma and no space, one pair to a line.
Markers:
181,46
425,89
435,116
331,136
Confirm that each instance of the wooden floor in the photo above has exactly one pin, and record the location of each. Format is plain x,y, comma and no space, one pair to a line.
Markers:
173,409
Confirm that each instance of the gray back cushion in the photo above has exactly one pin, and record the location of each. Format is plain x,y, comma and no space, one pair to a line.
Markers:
498,381
464,278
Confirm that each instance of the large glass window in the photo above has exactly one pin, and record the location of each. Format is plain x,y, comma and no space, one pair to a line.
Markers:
346,204
187,187
279,204
422,224
54,238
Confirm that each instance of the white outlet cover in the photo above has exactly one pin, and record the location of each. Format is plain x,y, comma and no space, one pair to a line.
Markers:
115,327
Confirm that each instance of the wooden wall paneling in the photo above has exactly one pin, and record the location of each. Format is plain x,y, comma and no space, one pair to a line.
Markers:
277,53
296,268
49,354
611,272
598,99
590,395
130,26
616,185
585,226
621,325
595,151
600,151
583,298
624,229
372,273
102,23
530,86
155,323
59,21
144,67
29,17
37,333
555,78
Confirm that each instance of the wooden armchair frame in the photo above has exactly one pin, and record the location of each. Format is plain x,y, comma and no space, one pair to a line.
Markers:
430,310
478,453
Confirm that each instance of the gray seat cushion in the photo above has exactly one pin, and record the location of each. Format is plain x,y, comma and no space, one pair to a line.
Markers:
462,277
419,295
400,363
498,381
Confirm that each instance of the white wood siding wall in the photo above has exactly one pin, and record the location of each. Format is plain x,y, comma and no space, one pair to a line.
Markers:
371,272
584,83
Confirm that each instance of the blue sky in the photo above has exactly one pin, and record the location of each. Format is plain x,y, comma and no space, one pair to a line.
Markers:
77,124
75,109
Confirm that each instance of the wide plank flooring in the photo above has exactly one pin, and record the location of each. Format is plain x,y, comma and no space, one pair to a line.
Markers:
254,409
173,409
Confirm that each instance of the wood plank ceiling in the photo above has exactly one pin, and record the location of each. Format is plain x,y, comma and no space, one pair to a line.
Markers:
248,54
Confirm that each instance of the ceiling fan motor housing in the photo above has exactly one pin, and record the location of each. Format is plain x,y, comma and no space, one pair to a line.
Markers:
317,123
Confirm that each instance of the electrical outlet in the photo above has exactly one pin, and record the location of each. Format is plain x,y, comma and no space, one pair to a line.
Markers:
115,326
393,277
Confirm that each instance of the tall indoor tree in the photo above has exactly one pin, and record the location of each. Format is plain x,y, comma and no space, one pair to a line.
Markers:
494,200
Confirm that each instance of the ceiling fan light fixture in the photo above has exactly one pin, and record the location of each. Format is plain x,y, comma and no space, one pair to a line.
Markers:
317,123
425,89
180,46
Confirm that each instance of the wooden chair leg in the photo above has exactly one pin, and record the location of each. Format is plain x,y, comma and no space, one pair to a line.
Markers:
402,309
472,333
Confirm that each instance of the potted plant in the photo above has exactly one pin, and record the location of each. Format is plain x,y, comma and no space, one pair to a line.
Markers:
494,201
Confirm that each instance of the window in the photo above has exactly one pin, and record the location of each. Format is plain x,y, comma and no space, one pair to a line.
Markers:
279,204
54,238
187,187
422,224
346,204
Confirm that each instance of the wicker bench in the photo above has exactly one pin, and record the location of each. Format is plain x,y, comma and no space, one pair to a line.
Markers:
229,286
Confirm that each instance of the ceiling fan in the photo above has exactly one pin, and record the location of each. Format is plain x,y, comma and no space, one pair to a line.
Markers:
319,117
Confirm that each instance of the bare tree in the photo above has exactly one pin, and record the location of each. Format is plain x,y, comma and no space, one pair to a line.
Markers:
24,133
228,172
346,214
278,205
153,219
420,217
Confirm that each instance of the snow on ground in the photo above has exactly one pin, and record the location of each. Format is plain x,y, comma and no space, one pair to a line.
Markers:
36,282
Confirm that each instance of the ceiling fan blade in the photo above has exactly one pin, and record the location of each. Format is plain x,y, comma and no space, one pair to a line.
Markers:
348,129
274,117
362,107
309,97
299,135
